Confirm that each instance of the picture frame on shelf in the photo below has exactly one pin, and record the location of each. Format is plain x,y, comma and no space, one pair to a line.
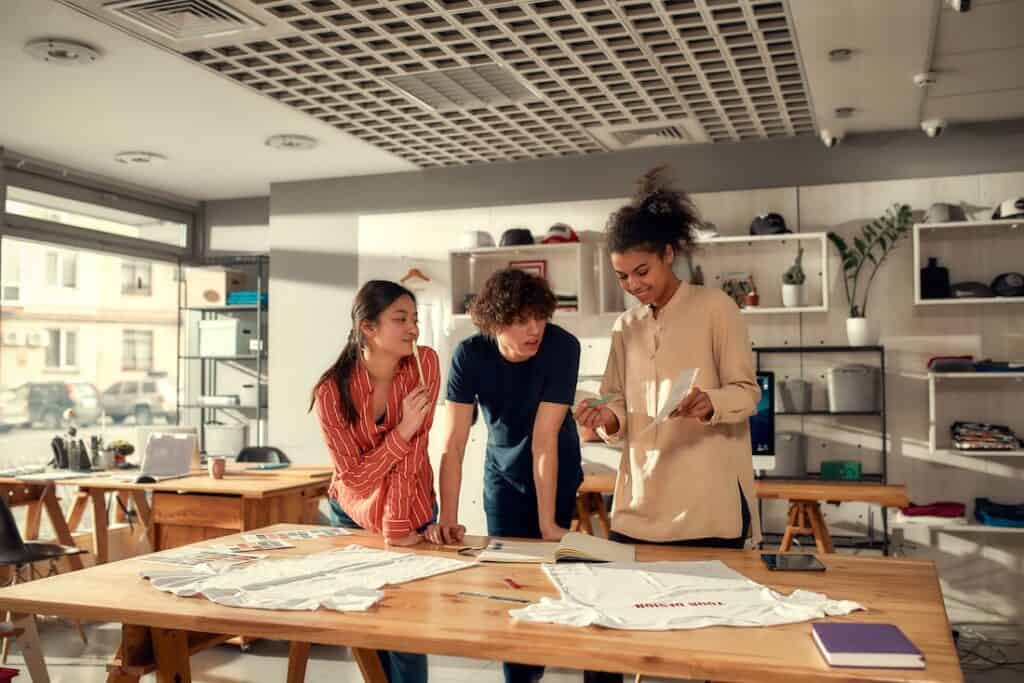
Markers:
538,267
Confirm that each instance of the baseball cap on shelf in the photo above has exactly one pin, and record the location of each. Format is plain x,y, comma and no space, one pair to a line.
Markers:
945,213
472,239
514,237
560,233
1011,208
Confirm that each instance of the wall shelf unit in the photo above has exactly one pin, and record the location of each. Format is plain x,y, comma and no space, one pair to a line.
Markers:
568,268
973,251
977,379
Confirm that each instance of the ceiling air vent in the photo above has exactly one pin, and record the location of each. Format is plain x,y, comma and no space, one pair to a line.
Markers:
182,20
642,135
488,85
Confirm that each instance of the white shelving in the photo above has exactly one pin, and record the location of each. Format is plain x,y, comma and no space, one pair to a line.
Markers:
995,247
735,249
733,254
960,528
568,270
934,378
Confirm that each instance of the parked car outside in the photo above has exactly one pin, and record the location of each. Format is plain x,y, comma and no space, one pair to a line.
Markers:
47,402
143,399
13,408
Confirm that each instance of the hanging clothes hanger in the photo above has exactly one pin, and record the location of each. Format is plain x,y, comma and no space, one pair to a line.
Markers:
414,273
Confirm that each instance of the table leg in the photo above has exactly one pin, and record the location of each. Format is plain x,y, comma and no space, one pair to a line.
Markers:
583,512
369,665
78,510
60,527
28,643
32,520
101,538
602,514
787,538
170,649
144,514
822,538
298,656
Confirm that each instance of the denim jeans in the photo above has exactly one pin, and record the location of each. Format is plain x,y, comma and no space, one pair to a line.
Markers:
399,667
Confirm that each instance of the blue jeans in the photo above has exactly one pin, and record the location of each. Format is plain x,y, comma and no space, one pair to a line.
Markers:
515,515
399,667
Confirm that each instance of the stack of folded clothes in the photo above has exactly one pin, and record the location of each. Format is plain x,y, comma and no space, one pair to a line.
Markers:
978,436
939,513
995,514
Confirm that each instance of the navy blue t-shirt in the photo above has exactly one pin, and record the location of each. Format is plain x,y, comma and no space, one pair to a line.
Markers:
509,395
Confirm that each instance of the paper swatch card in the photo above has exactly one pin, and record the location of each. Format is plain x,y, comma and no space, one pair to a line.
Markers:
680,388
255,546
194,557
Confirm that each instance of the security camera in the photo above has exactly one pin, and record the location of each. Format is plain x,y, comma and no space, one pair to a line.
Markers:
829,139
933,128
960,5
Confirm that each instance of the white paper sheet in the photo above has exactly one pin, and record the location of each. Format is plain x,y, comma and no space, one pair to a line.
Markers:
680,388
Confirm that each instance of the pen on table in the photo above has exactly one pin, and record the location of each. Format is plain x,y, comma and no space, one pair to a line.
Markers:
511,583
491,597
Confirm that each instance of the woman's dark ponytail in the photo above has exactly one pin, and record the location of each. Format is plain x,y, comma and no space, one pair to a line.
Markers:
371,300
658,216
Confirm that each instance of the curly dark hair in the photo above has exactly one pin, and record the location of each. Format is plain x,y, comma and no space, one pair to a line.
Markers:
658,216
510,296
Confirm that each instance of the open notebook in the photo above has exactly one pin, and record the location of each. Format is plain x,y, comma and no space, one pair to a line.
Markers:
574,547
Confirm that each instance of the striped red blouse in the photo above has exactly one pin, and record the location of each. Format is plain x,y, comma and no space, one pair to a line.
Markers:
382,481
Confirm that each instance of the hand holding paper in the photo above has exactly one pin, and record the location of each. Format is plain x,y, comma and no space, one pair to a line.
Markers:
695,404
679,391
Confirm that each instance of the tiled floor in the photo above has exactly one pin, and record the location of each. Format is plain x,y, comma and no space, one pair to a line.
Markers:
70,661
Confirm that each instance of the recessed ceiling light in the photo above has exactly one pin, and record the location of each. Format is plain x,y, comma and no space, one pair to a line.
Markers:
845,112
140,159
57,51
291,142
840,54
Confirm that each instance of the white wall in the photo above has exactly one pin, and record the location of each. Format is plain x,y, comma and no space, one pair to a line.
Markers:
308,236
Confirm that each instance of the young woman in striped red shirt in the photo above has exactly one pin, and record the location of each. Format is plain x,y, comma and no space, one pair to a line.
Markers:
376,404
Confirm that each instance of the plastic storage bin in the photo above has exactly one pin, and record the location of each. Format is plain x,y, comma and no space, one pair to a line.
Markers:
854,389
225,440
790,455
226,337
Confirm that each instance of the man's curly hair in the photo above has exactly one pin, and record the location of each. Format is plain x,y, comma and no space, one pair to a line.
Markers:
511,296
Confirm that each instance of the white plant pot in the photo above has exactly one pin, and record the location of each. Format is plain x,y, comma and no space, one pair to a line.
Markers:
862,332
792,295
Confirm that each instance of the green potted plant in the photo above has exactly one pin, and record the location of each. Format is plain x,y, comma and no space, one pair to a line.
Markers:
870,250
793,282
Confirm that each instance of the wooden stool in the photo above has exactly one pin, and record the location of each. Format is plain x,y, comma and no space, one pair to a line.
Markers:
805,519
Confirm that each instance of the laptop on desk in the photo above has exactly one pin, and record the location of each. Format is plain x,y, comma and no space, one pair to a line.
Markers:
167,456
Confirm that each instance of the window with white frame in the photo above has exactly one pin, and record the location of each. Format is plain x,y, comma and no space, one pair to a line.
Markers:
61,349
61,269
10,273
137,350
137,278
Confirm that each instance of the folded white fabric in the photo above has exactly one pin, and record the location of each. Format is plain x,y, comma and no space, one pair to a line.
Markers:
345,580
664,596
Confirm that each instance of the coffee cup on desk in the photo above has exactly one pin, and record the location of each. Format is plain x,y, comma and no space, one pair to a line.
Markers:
217,466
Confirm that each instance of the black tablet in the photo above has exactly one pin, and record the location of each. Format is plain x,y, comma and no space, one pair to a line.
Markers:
795,562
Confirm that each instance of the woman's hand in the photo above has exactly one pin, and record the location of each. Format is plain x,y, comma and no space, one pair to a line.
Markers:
695,404
595,416
415,407
411,539
445,533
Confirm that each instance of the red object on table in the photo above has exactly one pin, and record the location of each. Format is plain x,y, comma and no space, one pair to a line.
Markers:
511,584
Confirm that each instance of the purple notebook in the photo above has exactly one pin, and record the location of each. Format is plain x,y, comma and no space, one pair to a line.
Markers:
866,645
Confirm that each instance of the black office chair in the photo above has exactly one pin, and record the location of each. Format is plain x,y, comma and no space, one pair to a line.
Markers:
18,555
262,454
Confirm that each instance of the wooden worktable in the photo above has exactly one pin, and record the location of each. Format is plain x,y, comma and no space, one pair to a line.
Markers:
427,616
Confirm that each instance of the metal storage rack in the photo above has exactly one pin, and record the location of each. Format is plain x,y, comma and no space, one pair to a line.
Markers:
880,477
252,363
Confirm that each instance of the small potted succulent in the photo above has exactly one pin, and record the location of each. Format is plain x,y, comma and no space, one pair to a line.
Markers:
793,282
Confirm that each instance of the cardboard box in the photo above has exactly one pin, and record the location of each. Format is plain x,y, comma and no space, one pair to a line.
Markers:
211,286
227,336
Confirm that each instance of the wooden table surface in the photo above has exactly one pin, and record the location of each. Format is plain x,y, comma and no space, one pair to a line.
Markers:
889,495
247,484
428,616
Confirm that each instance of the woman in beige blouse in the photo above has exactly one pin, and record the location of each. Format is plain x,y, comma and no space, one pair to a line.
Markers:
688,480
